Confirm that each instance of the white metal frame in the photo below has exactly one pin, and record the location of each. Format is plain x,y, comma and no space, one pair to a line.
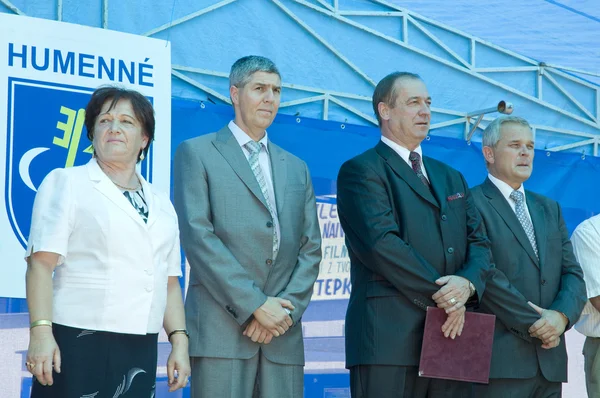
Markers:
331,8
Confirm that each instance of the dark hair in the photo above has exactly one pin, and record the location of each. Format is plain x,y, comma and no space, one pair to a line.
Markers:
142,108
386,90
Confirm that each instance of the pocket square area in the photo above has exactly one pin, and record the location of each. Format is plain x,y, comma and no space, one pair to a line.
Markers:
458,195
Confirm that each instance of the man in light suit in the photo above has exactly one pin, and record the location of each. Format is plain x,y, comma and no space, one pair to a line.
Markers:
415,239
534,263
250,232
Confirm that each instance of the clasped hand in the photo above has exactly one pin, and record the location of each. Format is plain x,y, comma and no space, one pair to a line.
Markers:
549,327
270,320
452,298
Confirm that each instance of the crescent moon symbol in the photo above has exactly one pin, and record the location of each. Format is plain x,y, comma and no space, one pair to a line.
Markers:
24,165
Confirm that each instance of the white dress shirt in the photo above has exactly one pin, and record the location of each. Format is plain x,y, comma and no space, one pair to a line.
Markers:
404,153
265,164
586,246
506,190
113,268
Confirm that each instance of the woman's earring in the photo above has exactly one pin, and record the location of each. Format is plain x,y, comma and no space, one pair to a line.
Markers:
142,156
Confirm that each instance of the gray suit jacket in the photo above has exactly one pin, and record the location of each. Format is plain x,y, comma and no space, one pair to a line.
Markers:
554,281
226,234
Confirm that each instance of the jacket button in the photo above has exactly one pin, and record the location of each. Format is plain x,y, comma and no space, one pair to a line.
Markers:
444,218
450,250
269,261
269,224
543,281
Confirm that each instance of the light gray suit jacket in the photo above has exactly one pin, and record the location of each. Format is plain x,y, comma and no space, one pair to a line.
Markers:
227,237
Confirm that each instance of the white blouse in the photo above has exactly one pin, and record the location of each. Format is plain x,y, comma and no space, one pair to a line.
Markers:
113,267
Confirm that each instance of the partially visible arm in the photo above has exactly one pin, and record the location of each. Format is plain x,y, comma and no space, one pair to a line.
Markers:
174,313
372,232
479,259
595,302
51,225
174,319
223,276
43,350
506,302
571,298
586,246
306,270
509,305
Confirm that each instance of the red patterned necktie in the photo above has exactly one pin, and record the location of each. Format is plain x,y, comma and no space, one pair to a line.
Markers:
415,160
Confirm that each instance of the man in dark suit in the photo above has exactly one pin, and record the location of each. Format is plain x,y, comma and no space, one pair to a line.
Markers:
249,229
410,227
534,263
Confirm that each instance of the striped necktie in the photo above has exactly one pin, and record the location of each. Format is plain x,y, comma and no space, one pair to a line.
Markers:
254,148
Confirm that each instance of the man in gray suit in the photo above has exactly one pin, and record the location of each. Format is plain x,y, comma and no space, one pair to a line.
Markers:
536,290
250,232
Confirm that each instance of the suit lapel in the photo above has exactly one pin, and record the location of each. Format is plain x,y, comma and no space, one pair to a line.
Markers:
538,218
405,172
499,203
230,149
436,179
110,190
279,173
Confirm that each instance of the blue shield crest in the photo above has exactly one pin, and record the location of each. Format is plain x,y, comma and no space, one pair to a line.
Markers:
45,130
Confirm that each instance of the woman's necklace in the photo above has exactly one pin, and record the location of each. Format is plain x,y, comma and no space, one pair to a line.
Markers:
118,185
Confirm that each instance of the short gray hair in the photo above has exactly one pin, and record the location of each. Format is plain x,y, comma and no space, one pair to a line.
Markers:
491,134
245,67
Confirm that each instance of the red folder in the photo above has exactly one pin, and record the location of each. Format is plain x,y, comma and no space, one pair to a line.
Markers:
466,358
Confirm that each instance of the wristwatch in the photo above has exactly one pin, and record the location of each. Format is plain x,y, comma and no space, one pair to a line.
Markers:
472,290
289,314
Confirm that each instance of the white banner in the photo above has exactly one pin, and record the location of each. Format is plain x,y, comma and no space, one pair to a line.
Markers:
48,71
334,273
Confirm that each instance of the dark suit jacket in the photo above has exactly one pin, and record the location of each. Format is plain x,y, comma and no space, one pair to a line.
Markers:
400,239
554,281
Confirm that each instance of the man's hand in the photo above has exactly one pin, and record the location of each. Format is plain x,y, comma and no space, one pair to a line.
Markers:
258,333
551,343
549,327
454,324
454,293
273,317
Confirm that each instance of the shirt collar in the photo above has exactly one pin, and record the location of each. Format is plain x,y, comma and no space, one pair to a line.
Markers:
242,138
400,150
504,188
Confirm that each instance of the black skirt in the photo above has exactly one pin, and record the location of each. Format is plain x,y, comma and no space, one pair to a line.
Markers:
101,364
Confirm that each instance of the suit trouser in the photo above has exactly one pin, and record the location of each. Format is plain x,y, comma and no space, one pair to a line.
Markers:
256,377
535,387
385,381
592,366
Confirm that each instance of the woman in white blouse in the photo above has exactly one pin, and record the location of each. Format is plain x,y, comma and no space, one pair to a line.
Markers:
112,243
